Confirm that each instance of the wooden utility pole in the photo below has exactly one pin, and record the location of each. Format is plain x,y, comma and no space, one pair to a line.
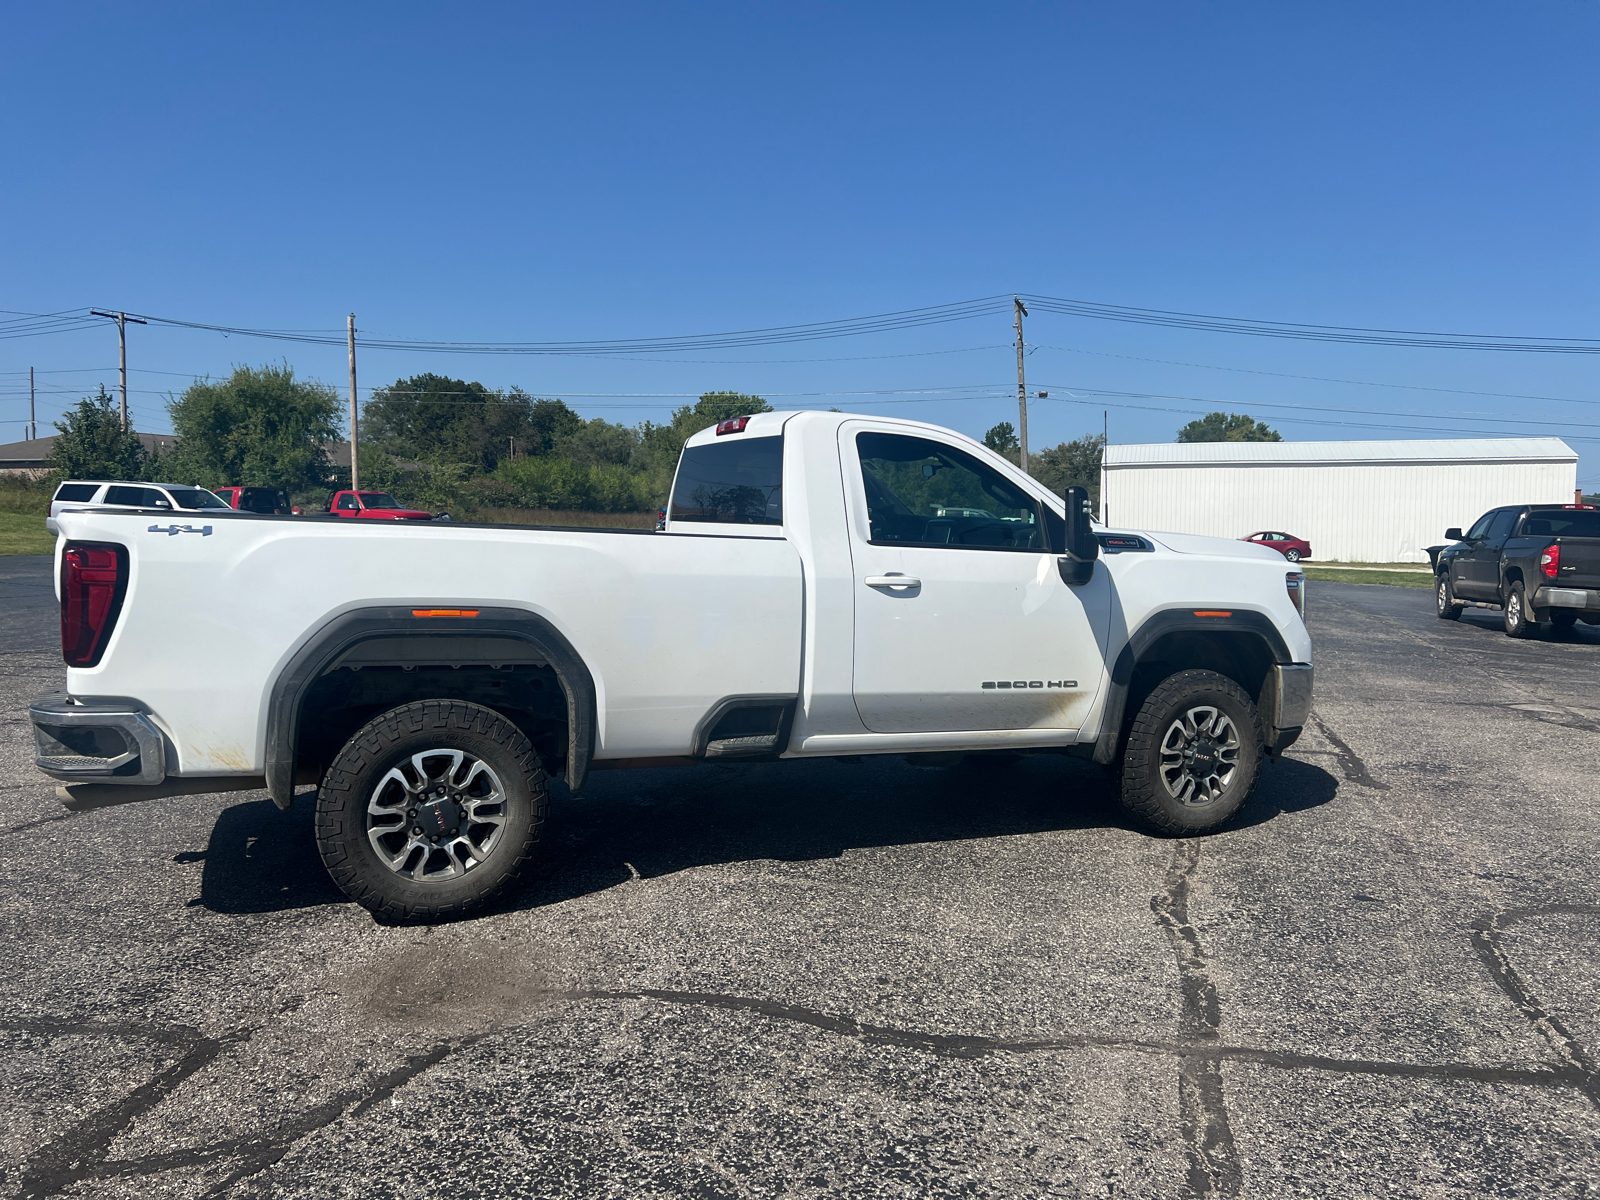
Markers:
33,424
355,477
122,319
1022,387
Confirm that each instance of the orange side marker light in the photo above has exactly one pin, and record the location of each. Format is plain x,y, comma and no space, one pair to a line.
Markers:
444,612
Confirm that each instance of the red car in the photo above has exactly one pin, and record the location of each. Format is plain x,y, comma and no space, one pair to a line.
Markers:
1291,547
258,500
374,506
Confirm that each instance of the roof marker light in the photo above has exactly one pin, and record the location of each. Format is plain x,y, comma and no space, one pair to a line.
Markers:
732,425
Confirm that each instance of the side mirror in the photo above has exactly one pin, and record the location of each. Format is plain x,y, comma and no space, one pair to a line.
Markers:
1454,535
1082,546
162,504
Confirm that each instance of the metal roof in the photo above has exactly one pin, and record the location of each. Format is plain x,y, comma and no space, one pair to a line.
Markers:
1277,454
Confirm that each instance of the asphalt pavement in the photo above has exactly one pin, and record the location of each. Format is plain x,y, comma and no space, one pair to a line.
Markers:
834,979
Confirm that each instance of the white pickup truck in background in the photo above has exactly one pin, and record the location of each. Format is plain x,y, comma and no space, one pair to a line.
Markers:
826,585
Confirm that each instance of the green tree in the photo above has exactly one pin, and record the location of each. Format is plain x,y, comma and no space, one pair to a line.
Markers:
600,443
1074,463
435,419
91,443
1228,427
260,426
1002,438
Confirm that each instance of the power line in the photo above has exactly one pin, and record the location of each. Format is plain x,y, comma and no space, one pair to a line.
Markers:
1300,331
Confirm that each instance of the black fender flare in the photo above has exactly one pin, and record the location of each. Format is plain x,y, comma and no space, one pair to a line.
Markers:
1156,626
530,637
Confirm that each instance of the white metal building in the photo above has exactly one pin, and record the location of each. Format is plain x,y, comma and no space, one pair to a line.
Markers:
1353,501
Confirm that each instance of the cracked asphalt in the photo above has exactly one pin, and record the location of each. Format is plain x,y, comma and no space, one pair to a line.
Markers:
874,979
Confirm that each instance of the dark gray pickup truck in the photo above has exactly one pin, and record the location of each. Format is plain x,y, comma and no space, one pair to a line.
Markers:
1537,562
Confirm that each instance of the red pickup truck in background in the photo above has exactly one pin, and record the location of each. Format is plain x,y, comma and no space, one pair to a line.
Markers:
374,506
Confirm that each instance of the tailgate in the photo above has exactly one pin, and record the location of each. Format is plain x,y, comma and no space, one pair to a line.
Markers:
1580,563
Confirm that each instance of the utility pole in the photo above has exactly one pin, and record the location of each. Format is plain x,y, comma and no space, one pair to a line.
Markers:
355,478
122,319
33,424
1022,387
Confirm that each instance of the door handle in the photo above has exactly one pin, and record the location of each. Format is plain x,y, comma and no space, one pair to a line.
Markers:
892,581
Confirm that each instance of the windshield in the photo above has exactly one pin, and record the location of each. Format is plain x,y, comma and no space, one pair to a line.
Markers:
196,498
378,500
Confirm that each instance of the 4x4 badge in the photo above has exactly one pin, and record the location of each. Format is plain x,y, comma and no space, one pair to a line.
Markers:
174,530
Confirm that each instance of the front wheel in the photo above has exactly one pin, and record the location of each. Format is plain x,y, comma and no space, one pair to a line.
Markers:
430,810
1193,754
1445,596
1519,623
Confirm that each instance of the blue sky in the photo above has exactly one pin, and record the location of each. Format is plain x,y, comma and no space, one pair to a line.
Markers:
517,172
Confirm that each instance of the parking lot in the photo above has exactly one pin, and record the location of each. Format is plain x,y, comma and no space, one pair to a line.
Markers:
854,979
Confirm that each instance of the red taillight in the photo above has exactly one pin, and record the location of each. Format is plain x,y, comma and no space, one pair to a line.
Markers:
732,425
1550,561
93,579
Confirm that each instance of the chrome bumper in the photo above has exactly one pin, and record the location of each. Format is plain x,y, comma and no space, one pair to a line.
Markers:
1587,599
1291,703
96,741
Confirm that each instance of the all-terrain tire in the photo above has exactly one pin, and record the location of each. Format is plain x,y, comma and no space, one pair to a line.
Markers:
389,742
1519,620
1144,790
1444,595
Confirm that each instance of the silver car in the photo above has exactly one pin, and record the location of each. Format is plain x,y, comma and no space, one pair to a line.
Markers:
102,493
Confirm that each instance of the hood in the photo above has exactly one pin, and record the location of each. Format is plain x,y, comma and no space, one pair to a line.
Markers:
1215,547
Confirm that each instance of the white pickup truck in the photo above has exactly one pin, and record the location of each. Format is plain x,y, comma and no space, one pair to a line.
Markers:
825,585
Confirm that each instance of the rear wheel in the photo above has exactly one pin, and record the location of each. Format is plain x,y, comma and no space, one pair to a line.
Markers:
1445,596
431,810
1193,754
1519,620
1292,555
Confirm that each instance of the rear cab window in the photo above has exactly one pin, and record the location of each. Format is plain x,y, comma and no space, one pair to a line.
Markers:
1562,523
734,482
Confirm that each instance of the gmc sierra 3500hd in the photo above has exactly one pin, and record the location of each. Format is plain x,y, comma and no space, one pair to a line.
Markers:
825,585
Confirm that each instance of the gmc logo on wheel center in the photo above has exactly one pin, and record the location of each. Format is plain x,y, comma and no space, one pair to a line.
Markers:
1031,683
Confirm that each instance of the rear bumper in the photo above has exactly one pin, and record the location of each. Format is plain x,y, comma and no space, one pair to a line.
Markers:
96,741
1586,599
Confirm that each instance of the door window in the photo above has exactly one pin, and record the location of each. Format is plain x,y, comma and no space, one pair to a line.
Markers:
139,497
731,483
925,493
1502,524
347,503
1481,529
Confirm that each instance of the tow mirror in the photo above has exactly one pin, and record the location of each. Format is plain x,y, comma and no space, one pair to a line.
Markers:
1453,535
1082,546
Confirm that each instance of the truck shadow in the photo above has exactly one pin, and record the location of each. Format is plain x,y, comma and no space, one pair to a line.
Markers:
261,860
796,812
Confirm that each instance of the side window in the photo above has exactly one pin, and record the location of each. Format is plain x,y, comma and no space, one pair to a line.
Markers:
122,494
347,503
1481,529
738,482
78,492
925,493
1503,522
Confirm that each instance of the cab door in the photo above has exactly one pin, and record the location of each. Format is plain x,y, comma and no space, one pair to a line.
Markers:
1478,567
962,619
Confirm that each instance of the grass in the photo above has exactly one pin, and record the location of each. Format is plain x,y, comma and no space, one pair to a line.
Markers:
1408,578
1398,566
23,533
563,516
